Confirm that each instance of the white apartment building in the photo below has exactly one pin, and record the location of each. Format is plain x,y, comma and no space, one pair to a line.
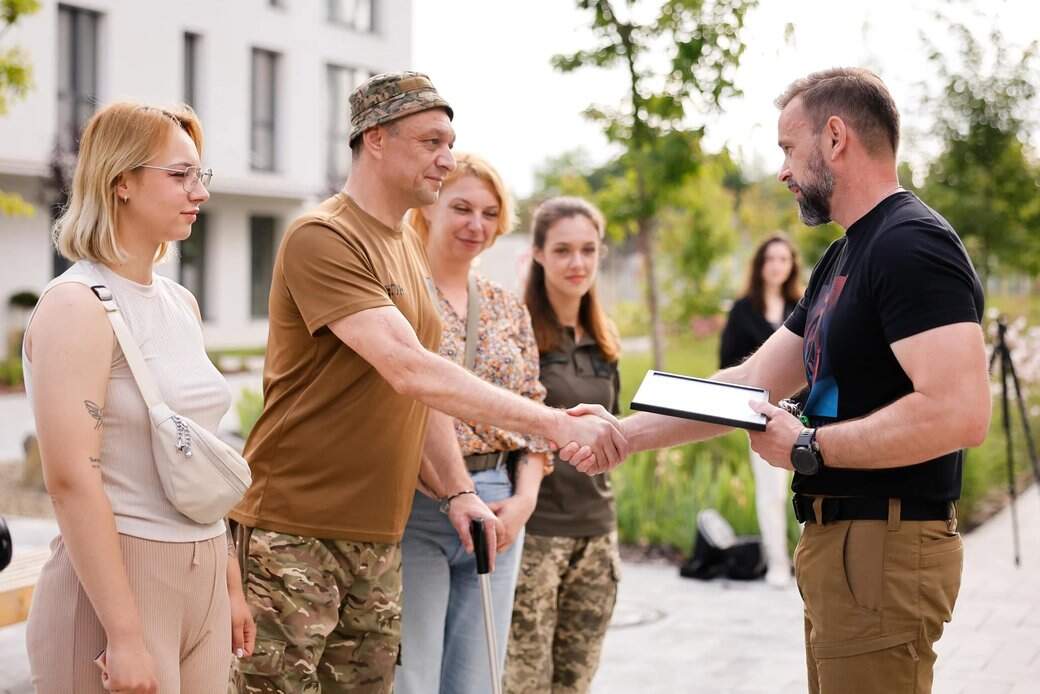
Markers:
269,79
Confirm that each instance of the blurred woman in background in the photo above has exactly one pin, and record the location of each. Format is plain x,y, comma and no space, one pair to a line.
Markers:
773,289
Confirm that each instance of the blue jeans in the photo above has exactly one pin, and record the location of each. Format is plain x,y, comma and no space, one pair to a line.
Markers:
442,622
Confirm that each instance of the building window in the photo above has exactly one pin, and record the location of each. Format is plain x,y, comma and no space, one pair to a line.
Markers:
261,252
191,69
77,72
358,15
341,82
263,129
192,272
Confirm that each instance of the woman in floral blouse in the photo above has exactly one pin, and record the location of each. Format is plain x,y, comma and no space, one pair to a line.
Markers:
441,639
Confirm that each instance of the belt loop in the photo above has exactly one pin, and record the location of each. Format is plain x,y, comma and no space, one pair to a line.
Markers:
817,507
894,514
951,517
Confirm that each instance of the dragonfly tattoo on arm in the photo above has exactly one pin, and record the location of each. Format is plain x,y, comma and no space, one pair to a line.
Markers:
95,411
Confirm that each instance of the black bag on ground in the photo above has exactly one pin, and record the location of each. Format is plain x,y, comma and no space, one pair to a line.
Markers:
718,552
6,546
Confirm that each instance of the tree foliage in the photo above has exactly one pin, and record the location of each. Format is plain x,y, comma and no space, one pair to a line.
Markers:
986,181
696,230
15,82
678,64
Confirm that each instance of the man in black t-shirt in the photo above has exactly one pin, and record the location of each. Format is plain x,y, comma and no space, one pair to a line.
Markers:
888,339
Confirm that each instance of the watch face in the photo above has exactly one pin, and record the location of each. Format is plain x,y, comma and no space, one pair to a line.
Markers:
804,461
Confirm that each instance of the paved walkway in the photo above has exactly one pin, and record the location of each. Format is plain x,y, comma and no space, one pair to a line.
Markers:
672,635
747,638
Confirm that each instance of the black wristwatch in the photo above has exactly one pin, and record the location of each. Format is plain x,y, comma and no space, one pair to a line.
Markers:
805,456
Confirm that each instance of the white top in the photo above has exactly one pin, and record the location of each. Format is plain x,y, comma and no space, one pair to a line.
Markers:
162,320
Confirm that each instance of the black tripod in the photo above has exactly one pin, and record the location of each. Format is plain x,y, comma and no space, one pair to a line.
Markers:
1007,368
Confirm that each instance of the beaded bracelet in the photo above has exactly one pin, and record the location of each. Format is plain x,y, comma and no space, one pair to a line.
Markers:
446,500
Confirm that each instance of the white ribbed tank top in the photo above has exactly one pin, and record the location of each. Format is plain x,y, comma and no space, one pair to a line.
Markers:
161,318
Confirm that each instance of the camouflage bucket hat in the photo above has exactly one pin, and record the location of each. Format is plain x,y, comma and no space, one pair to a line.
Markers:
390,96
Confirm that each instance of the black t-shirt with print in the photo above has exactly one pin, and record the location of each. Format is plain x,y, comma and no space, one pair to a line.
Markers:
898,271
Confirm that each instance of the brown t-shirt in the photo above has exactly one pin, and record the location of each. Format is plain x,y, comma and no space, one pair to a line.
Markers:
570,503
335,453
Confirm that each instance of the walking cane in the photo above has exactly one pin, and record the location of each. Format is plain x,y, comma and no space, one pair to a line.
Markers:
482,552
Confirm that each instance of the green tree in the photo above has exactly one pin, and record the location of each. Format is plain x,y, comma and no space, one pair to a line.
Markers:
677,64
986,181
15,81
695,231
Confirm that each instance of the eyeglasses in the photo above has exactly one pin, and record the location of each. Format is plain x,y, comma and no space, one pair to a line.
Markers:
193,175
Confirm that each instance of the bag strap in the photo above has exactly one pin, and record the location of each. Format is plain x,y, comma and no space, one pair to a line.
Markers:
134,359
472,316
472,322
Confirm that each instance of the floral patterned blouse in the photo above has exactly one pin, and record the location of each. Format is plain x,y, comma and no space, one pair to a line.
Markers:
507,356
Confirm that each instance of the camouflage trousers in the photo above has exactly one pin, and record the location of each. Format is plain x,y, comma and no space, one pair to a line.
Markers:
565,597
328,616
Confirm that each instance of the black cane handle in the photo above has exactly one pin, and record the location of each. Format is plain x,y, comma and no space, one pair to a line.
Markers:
480,546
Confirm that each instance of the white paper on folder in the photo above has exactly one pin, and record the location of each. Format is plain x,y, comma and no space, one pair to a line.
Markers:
702,399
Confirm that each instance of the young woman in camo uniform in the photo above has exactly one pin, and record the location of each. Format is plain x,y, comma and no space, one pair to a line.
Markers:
570,566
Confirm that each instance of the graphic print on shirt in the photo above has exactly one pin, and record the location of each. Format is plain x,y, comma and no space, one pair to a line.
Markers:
823,393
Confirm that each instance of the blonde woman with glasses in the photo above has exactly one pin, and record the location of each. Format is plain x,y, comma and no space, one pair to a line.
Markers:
135,597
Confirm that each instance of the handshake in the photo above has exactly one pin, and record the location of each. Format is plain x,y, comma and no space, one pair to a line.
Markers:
595,438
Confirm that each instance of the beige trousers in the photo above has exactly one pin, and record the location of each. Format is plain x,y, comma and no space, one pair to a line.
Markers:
181,593
877,595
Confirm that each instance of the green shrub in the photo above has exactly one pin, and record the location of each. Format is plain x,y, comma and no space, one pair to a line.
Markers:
250,405
659,493
631,318
11,372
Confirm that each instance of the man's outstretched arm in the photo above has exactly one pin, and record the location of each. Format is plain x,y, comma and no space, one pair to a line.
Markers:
385,339
776,366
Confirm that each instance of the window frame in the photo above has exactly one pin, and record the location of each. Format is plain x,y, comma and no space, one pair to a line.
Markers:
191,44
335,17
260,283
264,125
79,95
198,241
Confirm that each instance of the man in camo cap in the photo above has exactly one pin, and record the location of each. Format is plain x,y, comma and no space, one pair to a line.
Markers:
355,398
390,96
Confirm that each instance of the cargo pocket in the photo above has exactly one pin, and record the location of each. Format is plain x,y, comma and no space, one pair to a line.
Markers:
615,571
615,563
942,559
881,664
268,658
864,562
831,603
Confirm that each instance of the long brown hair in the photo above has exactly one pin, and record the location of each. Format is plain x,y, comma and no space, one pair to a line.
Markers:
591,315
791,289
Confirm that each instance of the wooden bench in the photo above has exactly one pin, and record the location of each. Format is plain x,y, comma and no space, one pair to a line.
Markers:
17,582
